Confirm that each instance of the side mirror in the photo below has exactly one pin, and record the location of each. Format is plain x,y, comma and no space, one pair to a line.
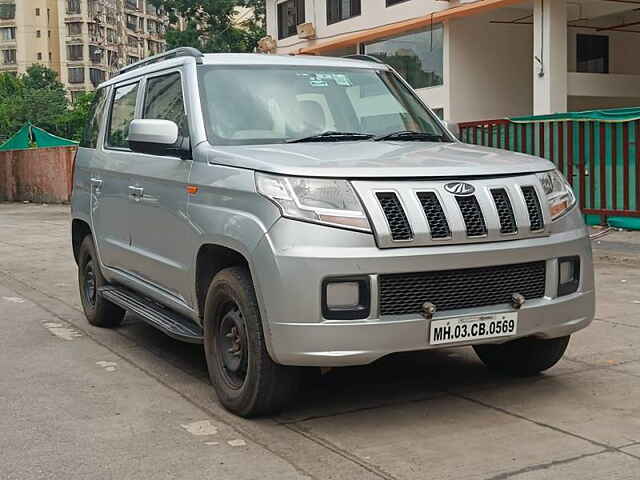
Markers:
155,137
452,127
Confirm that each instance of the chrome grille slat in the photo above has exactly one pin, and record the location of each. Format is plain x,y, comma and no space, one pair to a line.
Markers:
398,223
405,293
435,215
505,211
536,219
472,215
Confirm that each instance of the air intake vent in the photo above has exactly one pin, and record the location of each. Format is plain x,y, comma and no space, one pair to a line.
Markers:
472,215
505,211
535,210
405,293
398,223
435,215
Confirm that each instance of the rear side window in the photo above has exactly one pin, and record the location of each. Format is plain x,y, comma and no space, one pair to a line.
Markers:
164,101
122,113
92,127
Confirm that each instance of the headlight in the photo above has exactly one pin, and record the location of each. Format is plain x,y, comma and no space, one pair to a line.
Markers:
560,197
329,202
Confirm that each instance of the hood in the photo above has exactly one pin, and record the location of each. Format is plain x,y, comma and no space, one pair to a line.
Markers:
377,159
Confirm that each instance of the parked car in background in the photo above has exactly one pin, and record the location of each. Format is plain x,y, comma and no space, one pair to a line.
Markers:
299,211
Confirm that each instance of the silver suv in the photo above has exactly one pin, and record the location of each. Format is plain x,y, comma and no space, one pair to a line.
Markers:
298,211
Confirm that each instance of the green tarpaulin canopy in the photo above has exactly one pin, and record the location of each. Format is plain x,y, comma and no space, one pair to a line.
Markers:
29,136
610,115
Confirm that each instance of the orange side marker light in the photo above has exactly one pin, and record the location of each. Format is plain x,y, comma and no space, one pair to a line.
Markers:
192,189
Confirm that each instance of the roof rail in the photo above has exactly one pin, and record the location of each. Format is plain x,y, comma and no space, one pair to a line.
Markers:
366,58
175,53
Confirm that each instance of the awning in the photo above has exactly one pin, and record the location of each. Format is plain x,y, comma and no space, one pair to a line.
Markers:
609,115
29,136
405,26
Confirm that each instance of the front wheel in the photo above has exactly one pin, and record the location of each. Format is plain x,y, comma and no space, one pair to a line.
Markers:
98,311
247,381
523,357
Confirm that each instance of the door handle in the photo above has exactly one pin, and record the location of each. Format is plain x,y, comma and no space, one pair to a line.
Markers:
96,182
136,192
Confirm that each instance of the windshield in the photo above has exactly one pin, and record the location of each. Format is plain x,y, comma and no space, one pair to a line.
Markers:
262,105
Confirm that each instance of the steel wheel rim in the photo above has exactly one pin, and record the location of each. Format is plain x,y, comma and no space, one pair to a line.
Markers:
90,288
232,345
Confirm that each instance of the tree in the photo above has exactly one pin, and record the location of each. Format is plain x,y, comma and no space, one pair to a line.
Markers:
214,25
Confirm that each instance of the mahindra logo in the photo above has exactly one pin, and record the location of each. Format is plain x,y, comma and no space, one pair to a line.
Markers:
459,188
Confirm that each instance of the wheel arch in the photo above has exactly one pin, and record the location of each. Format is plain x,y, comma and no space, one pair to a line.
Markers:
79,230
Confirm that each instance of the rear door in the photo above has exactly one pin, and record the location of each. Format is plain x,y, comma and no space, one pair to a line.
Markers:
110,179
159,214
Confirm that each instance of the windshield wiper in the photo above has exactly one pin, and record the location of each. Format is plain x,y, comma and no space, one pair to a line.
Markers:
411,136
332,136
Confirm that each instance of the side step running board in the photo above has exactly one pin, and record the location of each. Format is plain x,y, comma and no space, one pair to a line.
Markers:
171,323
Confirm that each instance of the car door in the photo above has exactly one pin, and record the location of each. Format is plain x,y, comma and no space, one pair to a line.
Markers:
159,220
109,179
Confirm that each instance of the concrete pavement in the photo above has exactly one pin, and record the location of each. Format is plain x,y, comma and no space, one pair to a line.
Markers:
82,402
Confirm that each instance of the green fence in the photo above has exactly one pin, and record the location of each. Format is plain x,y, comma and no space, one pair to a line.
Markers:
600,157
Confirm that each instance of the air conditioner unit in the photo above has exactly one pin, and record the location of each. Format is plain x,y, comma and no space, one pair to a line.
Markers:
306,30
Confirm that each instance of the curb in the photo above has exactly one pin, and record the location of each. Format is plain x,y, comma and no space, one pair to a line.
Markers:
617,259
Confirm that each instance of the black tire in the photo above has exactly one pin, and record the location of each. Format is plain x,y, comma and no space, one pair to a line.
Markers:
247,381
524,357
98,311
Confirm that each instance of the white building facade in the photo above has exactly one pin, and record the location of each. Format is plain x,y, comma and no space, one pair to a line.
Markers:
483,59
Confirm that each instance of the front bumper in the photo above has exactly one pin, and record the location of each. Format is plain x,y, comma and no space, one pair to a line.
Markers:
294,258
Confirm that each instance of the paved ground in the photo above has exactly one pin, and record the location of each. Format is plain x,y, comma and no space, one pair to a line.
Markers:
77,402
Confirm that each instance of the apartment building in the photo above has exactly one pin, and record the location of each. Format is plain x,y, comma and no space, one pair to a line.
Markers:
480,59
85,41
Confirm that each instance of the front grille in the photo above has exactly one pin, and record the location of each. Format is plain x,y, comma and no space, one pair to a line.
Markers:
535,210
505,211
472,215
405,293
398,223
435,215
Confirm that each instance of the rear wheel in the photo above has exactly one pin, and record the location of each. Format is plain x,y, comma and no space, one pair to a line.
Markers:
98,311
244,377
523,357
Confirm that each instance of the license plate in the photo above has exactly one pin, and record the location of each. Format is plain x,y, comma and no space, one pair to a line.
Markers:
465,329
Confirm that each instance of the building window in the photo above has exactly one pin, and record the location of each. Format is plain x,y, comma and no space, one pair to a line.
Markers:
131,59
38,33
152,9
75,52
9,57
132,22
97,76
111,35
593,53
76,75
338,10
7,11
50,56
39,55
131,4
394,2
290,15
418,57
49,34
95,53
37,12
7,34
73,6
75,95
74,28
132,41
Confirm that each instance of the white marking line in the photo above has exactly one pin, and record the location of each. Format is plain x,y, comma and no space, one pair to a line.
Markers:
108,366
205,427
237,443
13,299
62,331
212,444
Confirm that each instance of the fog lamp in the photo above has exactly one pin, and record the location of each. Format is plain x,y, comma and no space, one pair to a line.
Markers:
346,298
568,275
